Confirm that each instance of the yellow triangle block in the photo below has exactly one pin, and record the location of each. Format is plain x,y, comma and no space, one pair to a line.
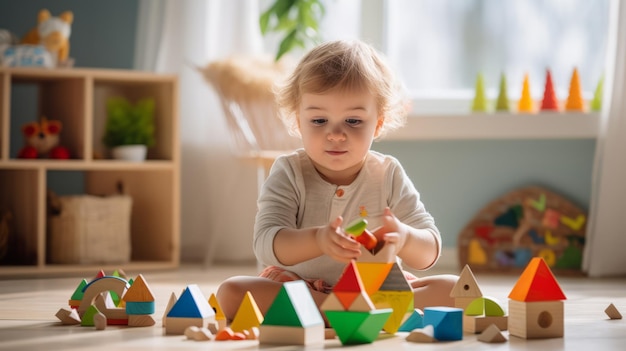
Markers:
373,274
400,301
219,314
248,315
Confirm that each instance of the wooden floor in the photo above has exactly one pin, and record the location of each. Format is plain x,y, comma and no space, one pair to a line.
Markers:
27,321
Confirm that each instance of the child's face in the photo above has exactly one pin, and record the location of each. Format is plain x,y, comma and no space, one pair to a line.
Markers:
337,131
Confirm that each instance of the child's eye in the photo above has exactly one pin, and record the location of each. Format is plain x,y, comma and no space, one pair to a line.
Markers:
318,121
353,121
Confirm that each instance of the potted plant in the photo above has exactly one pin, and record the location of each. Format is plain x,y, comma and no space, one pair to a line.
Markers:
297,21
129,129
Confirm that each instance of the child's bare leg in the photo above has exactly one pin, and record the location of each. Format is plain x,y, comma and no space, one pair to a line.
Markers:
434,290
232,290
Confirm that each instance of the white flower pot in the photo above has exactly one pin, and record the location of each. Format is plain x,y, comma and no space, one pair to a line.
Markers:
134,153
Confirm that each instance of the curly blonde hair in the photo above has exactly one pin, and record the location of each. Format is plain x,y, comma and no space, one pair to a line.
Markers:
343,65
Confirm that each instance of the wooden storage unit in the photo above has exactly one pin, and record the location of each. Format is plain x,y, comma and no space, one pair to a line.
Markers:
77,97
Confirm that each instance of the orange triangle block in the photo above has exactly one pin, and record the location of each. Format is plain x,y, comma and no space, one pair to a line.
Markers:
373,274
350,279
139,291
537,283
346,297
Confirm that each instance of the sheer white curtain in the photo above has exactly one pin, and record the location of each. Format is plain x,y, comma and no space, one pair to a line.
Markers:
218,191
604,252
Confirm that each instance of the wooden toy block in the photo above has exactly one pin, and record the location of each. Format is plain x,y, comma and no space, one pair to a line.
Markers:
87,317
68,316
422,335
329,333
239,336
476,254
248,315
105,305
140,320
177,325
358,229
399,301
575,101
99,275
502,103
120,273
525,104
293,317
477,324
288,335
253,333
98,286
446,321
395,292
537,283
373,274
100,321
77,296
385,252
550,101
415,321
346,298
224,334
357,327
362,303
492,334
139,291
192,308
480,100
332,303
613,312
146,307
170,304
198,334
535,320
487,306
466,288
293,306
214,327
192,304
219,314
350,280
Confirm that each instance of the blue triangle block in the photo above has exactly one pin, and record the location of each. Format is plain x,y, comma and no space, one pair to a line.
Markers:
191,304
415,321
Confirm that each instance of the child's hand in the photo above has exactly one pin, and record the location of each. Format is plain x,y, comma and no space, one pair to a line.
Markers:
392,230
335,243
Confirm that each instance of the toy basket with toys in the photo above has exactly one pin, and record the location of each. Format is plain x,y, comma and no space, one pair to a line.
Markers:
88,229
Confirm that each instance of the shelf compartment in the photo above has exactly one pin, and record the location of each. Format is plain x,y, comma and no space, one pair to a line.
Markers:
4,115
34,97
108,86
22,191
152,218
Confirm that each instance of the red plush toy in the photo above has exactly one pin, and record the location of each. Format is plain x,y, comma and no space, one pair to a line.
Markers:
42,139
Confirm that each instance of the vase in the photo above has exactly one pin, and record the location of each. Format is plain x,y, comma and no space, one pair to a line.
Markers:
134,153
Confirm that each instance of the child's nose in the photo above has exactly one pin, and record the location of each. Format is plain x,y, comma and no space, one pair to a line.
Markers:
336,134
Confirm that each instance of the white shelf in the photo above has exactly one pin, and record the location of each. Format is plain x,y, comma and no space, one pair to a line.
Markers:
545,125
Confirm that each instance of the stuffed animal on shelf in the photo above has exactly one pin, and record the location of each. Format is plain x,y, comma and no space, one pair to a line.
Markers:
42,139
53,33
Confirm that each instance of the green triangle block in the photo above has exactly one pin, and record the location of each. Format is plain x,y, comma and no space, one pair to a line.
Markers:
480,101
502,104
131,281
78,293
294,307
354,328
87,319
596,103
115,297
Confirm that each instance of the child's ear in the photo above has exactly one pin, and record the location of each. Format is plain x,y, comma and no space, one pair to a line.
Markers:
379,126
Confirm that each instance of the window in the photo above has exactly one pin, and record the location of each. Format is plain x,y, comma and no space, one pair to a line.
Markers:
439,46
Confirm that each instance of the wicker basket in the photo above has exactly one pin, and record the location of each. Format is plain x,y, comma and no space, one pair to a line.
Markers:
89,229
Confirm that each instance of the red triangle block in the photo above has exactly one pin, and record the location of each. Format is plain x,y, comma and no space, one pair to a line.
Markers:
537,283
350,279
